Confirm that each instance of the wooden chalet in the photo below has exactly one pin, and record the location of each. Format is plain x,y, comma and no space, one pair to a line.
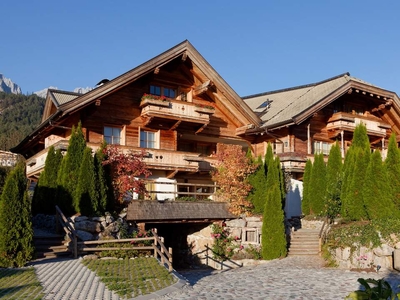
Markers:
175,106
309,119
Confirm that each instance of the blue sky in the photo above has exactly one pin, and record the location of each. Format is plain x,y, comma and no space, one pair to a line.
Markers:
256,46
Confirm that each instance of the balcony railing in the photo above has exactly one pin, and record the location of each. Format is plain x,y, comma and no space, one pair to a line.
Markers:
348,122
176,110
154,159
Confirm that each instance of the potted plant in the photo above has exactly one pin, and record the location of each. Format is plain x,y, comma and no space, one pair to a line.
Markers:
149,99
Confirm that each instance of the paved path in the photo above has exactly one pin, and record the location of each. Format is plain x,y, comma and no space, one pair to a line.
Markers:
289,278
64,279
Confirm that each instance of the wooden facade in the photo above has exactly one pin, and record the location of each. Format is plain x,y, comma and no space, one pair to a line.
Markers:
175,107
309,119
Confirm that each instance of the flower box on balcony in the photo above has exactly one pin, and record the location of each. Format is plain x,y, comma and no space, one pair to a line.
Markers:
205,109
148,99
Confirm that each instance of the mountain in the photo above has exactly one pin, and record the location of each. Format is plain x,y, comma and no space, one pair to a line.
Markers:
19,115
43,93
9,87
79,90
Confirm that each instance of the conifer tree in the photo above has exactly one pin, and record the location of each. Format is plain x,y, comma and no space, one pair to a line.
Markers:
69,171
356,162
377,199
355,208
16,232
305,202
318,185
269,155
348,169
392,166
44,197
273,229
282,181
259,187
333,181
86,200
103,180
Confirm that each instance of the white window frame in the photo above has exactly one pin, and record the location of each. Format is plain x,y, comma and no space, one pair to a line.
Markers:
122,131
156,139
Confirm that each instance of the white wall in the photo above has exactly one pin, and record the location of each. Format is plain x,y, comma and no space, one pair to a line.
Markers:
293,198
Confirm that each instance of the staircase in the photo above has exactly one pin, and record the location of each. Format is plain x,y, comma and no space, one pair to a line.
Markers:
50,245
304,242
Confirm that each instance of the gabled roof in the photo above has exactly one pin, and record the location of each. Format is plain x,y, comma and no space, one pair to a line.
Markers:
56,98
66,103
172,211
294,105
182,49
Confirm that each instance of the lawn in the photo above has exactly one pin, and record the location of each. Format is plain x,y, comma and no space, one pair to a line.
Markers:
19,284
126,277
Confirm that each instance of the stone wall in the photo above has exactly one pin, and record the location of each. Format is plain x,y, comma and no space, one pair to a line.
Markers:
246,229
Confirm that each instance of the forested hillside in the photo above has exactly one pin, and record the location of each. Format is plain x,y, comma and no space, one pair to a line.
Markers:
19,115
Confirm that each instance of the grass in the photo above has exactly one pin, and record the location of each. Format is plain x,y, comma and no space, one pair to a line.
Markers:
20,284
126,277
131,277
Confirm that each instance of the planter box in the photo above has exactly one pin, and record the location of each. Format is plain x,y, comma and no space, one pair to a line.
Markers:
157,102
204,110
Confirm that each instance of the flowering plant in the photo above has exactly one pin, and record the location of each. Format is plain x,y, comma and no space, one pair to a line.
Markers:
224,245
155,97
142,234
205,106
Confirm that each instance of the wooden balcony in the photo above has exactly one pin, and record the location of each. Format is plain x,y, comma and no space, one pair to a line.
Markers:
347,122
175,110
168,160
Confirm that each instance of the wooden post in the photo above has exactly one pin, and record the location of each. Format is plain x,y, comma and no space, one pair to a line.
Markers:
155,247
170,259
162,250
75,241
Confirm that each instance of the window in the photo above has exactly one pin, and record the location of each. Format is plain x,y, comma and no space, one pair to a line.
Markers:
162,91
148,139
322,147
112,135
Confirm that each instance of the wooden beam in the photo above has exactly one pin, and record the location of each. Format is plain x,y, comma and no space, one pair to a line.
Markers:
147,120
172,174
157,70
176,125
202,88
201,128
184,56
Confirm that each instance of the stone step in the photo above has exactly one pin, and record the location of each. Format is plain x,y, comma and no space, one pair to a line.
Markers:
304,242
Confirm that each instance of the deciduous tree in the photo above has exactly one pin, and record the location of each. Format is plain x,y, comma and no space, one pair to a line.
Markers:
127,171
231,175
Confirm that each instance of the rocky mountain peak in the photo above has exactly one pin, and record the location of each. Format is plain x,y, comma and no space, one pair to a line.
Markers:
9,87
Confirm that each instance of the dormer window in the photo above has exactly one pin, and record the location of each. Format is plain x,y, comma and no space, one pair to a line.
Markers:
162,91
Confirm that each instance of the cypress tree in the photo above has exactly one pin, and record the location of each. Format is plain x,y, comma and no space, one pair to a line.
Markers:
269,155
318,185
377,199
392,166
282,181
44,197
86,200
333,182
348,169
69,171
305,202
258,182
356,162
3,174
103,185
16,232
355,201
273,229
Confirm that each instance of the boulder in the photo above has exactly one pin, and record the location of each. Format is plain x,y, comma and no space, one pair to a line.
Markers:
383,250
90,226
236,223
84,235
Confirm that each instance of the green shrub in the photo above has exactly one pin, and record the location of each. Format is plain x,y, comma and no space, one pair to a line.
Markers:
16,232
379,290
